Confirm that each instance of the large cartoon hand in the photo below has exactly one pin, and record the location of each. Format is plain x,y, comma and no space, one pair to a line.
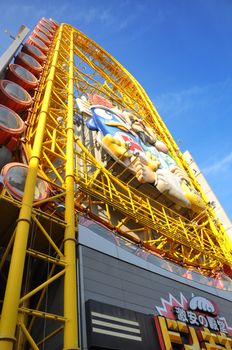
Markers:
180,173
143,172
118,148
197,203
152,161
170,185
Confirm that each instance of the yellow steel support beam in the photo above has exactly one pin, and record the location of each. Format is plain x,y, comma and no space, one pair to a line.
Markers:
56,331
41,314
41,286
28,337
15,276
178,230
38,255
70,283
184,240
49,239
7,251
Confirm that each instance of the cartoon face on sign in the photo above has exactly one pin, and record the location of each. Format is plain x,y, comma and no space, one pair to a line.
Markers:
129,141
115,135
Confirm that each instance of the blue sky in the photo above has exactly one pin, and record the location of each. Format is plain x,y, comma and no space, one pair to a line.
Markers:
181,53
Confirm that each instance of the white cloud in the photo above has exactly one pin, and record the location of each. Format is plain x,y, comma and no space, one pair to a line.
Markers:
126,21
219,166
114,16
93,14
180,102
118,16
24,12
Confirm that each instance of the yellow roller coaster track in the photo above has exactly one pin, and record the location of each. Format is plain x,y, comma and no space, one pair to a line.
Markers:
57,148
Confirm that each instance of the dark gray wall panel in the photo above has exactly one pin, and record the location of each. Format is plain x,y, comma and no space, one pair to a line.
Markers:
116,282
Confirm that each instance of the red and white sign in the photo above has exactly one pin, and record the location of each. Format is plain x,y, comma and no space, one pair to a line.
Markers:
191,325
198,311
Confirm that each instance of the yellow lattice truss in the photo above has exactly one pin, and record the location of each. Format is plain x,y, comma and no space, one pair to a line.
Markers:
195,240
84,179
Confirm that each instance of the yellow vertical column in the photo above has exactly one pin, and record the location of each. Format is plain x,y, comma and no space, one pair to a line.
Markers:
70,282
15,276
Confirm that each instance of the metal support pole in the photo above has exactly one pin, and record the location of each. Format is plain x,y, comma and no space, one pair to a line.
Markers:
15,276
70,282
8,55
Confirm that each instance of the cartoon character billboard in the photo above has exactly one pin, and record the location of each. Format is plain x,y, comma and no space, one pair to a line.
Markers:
132,143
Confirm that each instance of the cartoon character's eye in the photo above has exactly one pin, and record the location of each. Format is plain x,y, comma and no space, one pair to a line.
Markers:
103,113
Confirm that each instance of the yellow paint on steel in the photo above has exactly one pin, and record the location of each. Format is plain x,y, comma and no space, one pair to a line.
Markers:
42,314
45,257
138,94
177,229
67,162
49,239
14,280
28,337
56,331
70,282
42,286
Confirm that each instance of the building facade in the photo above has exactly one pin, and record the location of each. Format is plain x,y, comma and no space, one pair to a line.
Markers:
107,241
